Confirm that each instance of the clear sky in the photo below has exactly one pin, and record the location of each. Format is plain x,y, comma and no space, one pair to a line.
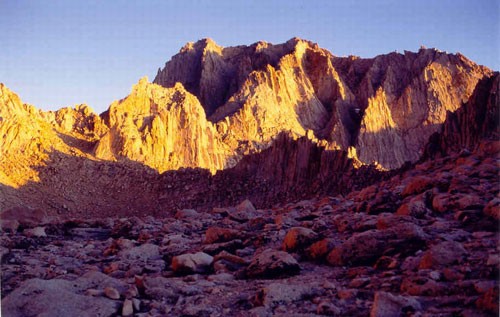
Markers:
57,53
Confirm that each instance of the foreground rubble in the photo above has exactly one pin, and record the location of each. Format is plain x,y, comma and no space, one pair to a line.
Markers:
424,243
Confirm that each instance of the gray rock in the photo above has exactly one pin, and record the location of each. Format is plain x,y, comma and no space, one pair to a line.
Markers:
98,280
28,217
128,308
35,232
444,253
260,311
388,305
143,252
161,288
246,206
55,298
192,263
186,214
243,212
90,233
281,293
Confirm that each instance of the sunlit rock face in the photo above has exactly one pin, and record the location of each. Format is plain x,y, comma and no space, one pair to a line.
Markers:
393,101
477,119
29,135
164,128
407,99
252,93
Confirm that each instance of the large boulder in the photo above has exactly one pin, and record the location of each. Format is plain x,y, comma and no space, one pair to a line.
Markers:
417,185
217,234
361,248
143,252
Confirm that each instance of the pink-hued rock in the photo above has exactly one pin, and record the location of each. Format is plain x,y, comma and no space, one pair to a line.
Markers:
444,253
299,238
218,234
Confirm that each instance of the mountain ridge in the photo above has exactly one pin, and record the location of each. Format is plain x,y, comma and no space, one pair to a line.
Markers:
361,107
337,90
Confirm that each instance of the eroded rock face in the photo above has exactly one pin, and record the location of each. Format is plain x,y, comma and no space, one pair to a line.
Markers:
408,97
165,129
477,119
29,135
391,101
255,92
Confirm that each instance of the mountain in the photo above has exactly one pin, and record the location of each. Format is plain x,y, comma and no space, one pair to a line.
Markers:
261,180
213,108
395,101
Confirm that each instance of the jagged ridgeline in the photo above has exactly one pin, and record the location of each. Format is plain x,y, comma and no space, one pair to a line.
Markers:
394,101
215,116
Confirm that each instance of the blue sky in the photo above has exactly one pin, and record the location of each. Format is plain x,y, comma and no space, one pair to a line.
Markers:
57,53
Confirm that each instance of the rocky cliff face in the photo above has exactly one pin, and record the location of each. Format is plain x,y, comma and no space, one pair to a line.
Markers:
411,95
165,129
394,101
252,93
28,135
476,120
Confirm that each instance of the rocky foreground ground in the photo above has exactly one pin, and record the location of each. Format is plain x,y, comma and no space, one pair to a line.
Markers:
424,243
